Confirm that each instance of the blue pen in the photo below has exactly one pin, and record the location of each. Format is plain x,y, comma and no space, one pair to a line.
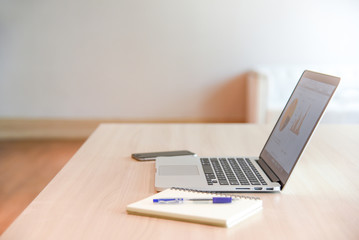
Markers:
181,200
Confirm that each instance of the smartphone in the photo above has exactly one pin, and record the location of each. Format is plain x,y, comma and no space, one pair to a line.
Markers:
152,155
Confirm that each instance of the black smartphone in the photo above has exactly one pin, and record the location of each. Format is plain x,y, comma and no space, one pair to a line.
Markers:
152,155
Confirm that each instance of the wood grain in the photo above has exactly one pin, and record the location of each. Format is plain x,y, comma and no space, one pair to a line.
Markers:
88,198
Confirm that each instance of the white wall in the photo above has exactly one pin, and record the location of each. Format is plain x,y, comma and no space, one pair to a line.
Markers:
156,59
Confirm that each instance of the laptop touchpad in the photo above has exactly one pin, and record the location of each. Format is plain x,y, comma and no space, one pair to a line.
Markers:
170,170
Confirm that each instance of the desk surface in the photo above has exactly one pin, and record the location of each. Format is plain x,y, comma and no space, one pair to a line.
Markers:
88,197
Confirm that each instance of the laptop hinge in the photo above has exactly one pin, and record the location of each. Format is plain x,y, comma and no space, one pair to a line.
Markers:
268,171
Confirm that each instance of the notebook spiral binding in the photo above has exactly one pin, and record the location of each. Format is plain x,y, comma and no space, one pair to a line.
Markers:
216,193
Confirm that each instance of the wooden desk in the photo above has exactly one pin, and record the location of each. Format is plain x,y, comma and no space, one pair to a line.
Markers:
87,199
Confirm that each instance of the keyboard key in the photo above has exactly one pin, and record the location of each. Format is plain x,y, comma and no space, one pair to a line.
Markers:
207,168
223,182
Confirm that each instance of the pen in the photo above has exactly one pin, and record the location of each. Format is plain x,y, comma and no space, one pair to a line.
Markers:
181,200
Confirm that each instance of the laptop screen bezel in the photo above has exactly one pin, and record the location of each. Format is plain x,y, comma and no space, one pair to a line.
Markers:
332,80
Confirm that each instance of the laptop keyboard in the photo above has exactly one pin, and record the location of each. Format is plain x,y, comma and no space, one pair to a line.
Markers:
231,171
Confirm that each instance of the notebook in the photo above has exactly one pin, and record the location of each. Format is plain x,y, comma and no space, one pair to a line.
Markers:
221,214
270,170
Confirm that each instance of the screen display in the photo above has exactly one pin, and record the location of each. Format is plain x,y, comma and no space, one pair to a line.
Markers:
296,125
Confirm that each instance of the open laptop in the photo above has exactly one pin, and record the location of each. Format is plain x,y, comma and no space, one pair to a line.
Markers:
270,171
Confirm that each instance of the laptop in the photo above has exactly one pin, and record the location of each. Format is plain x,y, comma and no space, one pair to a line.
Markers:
268,172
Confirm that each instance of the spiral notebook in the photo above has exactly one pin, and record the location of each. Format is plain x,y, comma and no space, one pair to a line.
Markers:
225,215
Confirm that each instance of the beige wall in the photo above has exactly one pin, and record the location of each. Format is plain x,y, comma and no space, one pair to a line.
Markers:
157,59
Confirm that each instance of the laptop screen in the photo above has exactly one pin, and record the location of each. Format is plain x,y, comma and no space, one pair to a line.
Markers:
297,122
